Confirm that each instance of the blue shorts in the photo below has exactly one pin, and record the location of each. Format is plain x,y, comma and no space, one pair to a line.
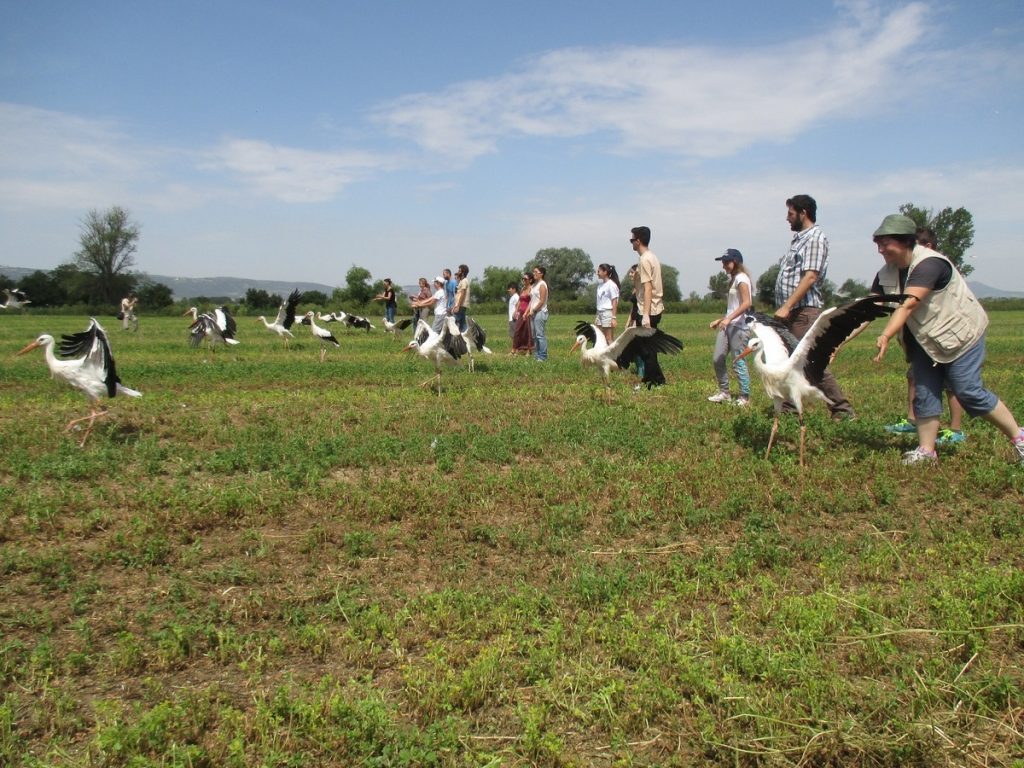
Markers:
962,377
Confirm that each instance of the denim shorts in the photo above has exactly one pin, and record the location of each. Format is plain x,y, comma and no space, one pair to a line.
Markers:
962,377
604,318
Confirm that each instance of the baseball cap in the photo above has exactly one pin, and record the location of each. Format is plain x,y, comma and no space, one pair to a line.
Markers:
731,254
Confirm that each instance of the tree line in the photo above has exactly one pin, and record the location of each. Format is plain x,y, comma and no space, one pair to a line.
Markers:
101,272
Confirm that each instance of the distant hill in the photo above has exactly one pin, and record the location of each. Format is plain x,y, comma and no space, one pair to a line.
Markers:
189,287
983,291
232,287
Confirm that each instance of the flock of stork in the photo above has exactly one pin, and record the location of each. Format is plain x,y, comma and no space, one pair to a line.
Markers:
789,368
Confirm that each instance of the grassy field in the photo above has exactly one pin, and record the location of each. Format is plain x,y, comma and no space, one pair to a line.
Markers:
267,561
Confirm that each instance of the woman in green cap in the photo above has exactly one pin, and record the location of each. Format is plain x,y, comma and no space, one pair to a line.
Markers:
943,331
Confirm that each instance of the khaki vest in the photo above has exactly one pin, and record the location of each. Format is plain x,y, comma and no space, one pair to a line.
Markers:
948,322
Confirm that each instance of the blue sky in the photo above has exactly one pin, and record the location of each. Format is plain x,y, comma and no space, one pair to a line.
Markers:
292,140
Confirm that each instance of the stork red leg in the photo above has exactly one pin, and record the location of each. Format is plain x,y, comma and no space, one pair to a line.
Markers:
803,433
771,437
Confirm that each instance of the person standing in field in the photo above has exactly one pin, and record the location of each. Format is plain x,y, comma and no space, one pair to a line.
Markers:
388,297
513,304
798,295
650,301
607,300
955,433
732,330
461,300
437,302
538,314
420,308
129,320
450,286
522,338
943,328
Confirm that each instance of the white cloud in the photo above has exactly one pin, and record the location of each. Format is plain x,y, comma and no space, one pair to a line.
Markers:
295,175
699,102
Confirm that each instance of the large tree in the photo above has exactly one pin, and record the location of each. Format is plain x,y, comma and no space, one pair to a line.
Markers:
954,231
108,241
495,282
358,290
670,283
718,285
568,270
766,285
154,295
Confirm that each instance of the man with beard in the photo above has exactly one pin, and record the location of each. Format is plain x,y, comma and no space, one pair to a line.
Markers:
798,286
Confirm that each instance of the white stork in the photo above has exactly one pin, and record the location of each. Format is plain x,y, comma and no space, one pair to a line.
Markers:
285,317
322,334
332,317
355,321
790,369
16,299
395,328
91,371
217,327
629,345
445,348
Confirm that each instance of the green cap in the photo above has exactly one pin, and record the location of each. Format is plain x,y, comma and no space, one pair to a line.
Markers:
896,224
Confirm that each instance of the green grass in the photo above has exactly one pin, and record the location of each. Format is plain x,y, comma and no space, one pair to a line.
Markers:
269,561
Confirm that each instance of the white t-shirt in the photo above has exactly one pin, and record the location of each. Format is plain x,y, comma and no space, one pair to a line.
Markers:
734,297
513,305
535,306
607,292
440,306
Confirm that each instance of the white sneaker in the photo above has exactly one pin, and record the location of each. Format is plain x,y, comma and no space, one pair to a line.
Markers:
720,397
919,455
742,401
1018,446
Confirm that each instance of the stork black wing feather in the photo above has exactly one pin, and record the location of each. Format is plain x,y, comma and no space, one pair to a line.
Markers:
831,329
289,308
477,334
454,344
658,342
586,330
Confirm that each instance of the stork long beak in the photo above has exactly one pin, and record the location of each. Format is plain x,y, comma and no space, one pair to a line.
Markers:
744,353
408,347
575,346
29,348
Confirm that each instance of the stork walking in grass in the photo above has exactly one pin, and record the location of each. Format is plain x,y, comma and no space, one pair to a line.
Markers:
285,317
332,317
323,335
217,327
790,369
16,299
444,348
89,369
630,344
396,328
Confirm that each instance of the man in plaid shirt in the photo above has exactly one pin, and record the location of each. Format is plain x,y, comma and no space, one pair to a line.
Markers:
797,289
